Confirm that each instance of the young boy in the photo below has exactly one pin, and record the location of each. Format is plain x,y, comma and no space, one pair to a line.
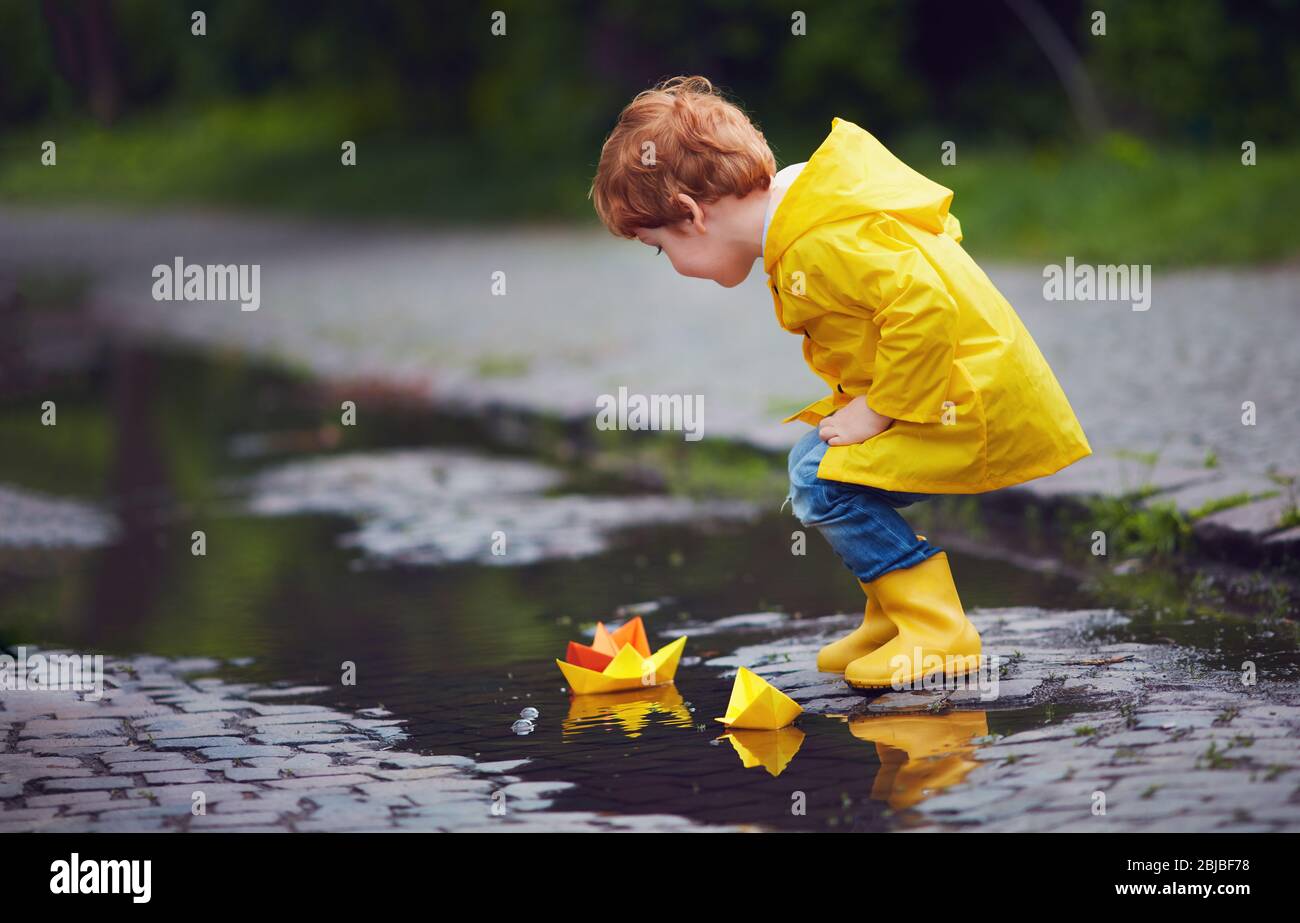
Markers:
936,386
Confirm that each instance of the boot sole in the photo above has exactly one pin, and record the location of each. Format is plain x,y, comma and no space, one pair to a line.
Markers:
907,682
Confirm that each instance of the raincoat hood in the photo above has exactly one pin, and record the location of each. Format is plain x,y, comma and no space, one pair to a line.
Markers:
853,174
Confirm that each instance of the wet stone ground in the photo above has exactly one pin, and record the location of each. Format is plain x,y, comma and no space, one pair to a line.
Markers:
1153,741
1119,736
136,759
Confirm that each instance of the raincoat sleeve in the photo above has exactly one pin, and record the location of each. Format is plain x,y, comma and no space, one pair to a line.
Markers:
917,319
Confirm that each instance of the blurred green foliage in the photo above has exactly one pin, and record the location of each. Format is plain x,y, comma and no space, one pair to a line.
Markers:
455,123
1200,70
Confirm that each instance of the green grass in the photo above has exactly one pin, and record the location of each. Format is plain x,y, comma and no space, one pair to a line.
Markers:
1230,502
711,469
1124,202
281,154
503,366
1133,529
1119,201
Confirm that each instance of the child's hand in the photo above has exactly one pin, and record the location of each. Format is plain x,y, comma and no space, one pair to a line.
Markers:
852,423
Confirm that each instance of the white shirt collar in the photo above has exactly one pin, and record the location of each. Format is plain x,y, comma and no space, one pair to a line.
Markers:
780,183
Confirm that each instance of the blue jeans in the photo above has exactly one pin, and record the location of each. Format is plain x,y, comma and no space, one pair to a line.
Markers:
861,523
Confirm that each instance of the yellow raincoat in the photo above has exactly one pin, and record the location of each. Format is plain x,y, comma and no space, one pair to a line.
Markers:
865,264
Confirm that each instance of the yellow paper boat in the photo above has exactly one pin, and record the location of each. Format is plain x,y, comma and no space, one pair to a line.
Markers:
758,705
628,670
773,750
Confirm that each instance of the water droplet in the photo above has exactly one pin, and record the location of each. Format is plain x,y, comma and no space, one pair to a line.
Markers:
522,727
530,713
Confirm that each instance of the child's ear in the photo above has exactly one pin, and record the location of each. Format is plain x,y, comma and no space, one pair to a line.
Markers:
697,213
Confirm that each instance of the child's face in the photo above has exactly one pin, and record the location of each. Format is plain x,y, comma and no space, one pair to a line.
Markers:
696,255
715,244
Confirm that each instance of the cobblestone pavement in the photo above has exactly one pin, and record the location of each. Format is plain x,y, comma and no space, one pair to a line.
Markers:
1147,732
134,760
584,314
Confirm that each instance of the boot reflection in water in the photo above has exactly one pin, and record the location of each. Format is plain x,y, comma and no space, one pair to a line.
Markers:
920,755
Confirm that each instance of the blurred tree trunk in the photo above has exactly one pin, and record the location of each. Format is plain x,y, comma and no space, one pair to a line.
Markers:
1068,66
81,32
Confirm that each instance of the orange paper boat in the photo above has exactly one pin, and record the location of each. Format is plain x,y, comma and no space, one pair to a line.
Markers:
619,660
606,645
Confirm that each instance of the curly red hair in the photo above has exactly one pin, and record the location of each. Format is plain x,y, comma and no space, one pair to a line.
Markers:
682,136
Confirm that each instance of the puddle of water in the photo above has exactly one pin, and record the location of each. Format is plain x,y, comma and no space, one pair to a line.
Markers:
435,506
161,443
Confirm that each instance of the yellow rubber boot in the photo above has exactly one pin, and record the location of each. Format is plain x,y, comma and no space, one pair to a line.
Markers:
934,635
874,631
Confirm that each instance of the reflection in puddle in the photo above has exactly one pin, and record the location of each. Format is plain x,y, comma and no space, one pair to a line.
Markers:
773,750
920,755
32,519
627,712
438,506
